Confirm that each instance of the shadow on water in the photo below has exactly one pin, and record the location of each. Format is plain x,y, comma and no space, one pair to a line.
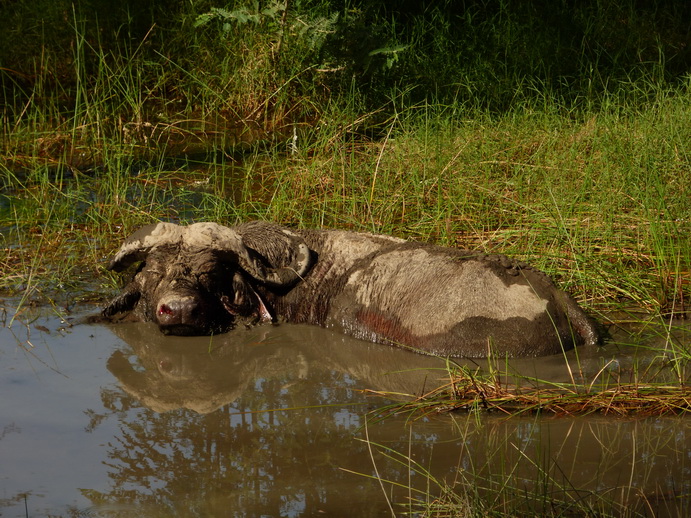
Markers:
122,421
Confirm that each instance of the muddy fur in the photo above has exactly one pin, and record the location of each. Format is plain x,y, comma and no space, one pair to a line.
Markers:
378,288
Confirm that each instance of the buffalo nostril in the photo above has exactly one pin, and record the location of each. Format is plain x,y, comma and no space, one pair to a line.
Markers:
165,365
175,311
169,314
164,309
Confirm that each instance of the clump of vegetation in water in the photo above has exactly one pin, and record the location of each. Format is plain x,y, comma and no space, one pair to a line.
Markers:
471,390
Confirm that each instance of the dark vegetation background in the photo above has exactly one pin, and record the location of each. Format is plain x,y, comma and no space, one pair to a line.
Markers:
489,54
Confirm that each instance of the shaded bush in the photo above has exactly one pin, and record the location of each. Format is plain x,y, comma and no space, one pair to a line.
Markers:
485,54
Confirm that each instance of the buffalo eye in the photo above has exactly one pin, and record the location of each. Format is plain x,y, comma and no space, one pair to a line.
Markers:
206,279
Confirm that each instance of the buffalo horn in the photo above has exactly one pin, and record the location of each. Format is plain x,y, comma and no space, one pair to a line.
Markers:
229,241
138,245
215,237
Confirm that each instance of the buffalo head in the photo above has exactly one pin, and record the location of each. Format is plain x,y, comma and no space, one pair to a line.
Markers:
201,279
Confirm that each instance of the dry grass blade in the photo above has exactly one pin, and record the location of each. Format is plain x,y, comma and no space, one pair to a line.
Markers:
471,392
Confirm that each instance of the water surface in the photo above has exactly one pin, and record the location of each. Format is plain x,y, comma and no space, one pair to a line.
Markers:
121,421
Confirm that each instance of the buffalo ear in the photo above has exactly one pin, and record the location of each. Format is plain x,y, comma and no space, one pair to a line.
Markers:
284,251
137,246
246,301
231,247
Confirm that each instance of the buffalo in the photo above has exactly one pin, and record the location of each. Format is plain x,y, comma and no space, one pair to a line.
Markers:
206,278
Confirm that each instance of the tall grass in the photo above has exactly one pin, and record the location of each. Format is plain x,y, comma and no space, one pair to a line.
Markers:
600,202
591,187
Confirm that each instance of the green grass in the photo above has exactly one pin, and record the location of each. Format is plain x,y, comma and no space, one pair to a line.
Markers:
598,197
600,202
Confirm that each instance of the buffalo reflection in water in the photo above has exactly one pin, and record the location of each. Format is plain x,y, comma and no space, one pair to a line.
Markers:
206,373
262,421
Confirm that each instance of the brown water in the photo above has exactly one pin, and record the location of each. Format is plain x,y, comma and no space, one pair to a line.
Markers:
121,421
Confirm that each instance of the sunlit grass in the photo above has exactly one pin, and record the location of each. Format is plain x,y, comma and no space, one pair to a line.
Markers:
601,204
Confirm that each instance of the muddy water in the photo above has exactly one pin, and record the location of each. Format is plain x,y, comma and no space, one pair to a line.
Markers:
120,421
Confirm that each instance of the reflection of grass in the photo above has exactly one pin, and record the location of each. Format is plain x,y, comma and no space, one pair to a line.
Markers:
590,468
477,495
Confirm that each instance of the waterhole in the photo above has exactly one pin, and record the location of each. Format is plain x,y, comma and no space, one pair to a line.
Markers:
120,420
